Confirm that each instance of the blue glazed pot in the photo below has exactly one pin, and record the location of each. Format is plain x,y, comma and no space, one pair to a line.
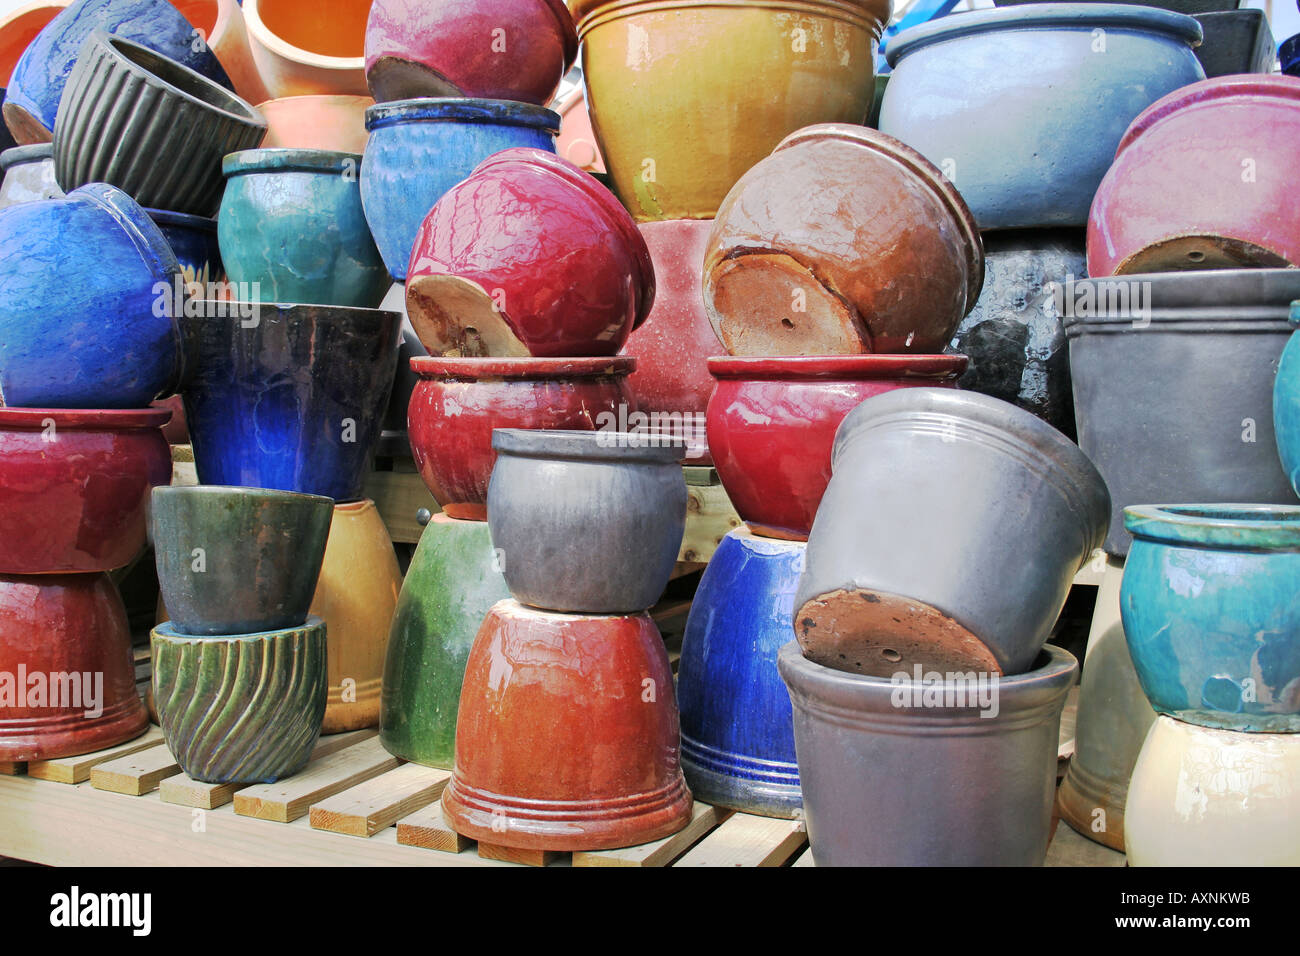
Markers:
1289,54
1211,611
1286,403
86,303
737,726
419,149
291,221
194,240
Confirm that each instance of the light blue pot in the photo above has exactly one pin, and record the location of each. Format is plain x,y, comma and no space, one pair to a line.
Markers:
1286,403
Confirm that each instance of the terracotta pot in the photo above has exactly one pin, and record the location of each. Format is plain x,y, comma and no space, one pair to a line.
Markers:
842,241
577,141
459,401
528,256
567,737
221,25
324,121
730,80
772,423
19,28
194,240
1219,153
28,175
299,50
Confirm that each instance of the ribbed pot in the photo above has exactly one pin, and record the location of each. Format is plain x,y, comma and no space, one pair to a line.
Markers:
1286,403
28,174
194,240
301,49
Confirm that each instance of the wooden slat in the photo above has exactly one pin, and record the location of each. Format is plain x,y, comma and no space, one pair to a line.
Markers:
661,852
399,496
709,516
77,769
426,828
11,768
380,802
511,854
291,798
747,840
136,773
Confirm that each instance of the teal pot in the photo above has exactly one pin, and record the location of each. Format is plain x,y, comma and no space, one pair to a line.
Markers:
1286,403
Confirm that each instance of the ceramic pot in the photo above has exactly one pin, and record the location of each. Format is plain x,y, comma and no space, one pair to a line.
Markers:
1209,611
175,431
1288,54
240,709
730,81
577,141
1219,152
842,241
898,773
567,734
459,401
220,23
923,576
28,175
1286,404
623,496
356,596
1173,385
334,122
420,148
86,318
452,583
125,106
1189,7
288,396
299,50
65,636
1236,41
506,49
528,256
291,221
772,422
18,29
194,240
737,731
1021,107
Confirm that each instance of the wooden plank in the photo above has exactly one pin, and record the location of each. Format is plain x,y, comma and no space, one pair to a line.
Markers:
136,773
428,829
701,475
661,852
511,854
11,768
378,803
77,769
289,799
747,840
709,516
399,496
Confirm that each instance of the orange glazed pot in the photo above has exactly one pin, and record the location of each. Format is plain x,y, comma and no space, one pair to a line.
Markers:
333,122
221,24
301,47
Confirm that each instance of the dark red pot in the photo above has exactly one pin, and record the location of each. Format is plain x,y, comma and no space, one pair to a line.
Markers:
458,401
74,484
772,422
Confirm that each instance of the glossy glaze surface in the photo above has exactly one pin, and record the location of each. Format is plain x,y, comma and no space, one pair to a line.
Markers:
19,28
1286,404
300,50
322,121
194,240
28,175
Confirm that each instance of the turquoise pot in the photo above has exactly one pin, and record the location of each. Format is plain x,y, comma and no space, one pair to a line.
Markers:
1211,607
291,221
1286,403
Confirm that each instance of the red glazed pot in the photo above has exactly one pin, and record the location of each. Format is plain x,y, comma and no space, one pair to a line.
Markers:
1205,178
567,734
528,256
772,423
74,484
458,401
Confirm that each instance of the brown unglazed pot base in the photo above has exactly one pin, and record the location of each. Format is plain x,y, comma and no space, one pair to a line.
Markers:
763,531
1079,798
465,511
1195,253
360,713
68,735
392,78
456,317
25,128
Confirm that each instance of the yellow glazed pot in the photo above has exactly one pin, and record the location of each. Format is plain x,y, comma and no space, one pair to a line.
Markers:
303,47
221,23
686,95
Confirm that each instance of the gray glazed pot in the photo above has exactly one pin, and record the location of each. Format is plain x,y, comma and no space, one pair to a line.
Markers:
1173,385
1236,41
586,522
949,536
889,783
28,174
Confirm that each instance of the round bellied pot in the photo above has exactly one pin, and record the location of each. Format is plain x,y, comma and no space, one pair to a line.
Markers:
567,734
528,256
82,321
730,81
28,174
928,770
772,422
194,240
335,122
18,29
1286,403
843,240
1023,107
420,148
220,23
1210,614
238,560
906,569
244,708
457,403
452,583
1173,377
289,397
291,221
621,495
300,50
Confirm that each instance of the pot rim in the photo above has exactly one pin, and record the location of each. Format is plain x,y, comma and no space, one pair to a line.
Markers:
445,109
574,445
1239,296
436,368
869,14
239,491
285,159
341,99
1253,527
282,48
84,419
134,220
185,220
18,155
1208,92
167,632
833,368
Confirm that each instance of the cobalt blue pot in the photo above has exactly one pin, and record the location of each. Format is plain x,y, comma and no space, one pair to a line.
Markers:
86,304
1289,54
1286,403
737,726
420,148
1211,614
194,240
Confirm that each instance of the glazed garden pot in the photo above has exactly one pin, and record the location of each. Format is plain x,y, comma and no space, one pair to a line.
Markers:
150,126
335,122
82,321
1219,152
28,175
74,486
291,221
288,396
737,730
238,560
622,496
1236,41
420,148
528,256
300,49
506,49
567,733
730,81
842,241
19,28
899,773
457,403
905,569
1023,107
1288,53
245,708
452,583
1286,404
221,25
1173,378
1210,614
194,241
772,422
1189,7
67,677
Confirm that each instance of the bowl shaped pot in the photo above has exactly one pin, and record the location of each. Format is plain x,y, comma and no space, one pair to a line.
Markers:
221,25
194,240
300,50
28,175
334,122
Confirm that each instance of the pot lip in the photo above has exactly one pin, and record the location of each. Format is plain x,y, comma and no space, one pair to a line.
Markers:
284,159
589,14
573,445
833,368
167,631
284,49
1279,86
437,367
341,99
432,109
184,220
135,221
212,310
240,491
18,155
85,419
1171,293
1230,526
